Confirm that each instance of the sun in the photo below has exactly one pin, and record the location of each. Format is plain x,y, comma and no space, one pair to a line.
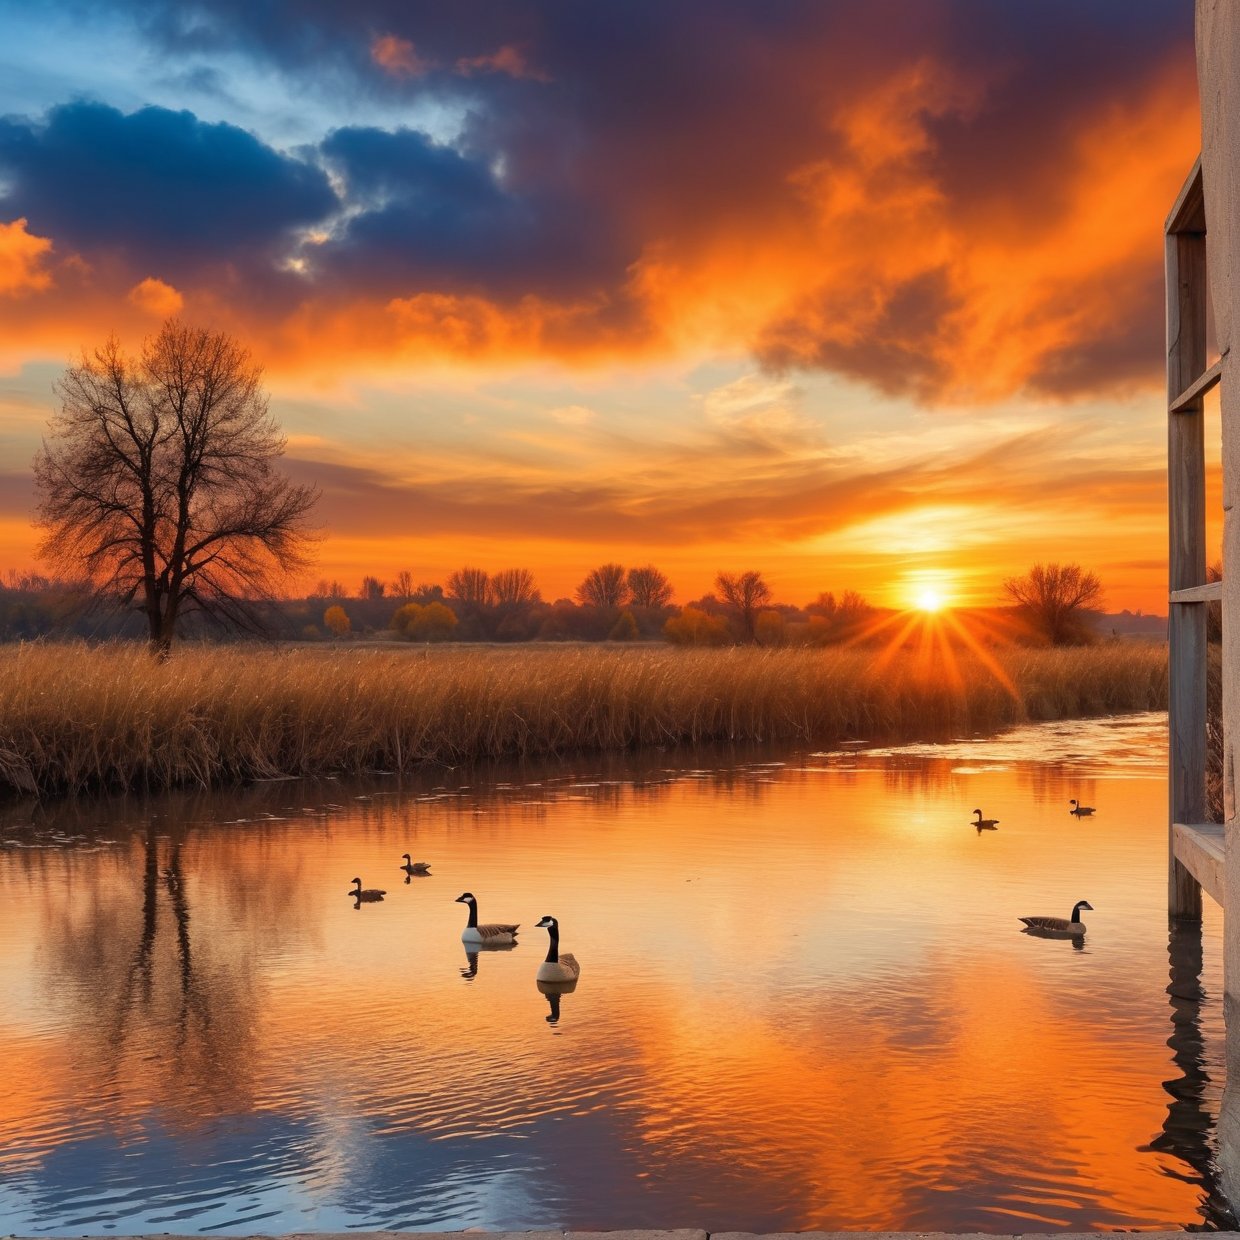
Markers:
929,600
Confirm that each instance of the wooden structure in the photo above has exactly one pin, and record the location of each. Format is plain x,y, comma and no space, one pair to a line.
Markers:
1196,848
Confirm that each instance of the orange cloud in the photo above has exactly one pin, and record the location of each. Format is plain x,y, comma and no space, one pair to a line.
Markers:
886,276
397,56
156,297
508,59
21,260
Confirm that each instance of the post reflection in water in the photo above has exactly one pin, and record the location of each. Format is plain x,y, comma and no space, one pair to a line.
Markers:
1189,1131
808,1002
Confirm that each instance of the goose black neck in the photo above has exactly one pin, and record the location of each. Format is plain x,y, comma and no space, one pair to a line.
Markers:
1076,913
553,951
472,923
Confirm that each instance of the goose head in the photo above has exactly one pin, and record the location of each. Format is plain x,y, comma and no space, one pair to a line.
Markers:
407,857
357,882
548,923
466,897
1084,906
978,812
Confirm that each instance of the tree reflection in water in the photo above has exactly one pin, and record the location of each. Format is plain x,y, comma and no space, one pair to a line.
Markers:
154,1030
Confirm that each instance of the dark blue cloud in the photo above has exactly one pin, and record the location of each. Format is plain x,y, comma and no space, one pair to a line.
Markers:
425,216
161,187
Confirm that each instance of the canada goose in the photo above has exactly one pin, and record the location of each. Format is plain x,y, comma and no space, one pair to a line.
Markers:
415,867
493,934
1081,811
985,824
372,895
1060,925
556,968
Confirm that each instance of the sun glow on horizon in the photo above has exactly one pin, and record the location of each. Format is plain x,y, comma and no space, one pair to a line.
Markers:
930,600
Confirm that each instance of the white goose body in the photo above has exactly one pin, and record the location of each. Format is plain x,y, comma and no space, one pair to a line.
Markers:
556,967
490,934
1068,926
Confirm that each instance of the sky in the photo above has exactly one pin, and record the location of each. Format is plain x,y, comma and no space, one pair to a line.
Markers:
862,295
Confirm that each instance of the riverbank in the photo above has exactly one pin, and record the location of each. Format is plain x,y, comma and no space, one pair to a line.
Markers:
79,719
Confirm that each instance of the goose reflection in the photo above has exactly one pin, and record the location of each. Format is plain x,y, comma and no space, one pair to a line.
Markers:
553,991
474,950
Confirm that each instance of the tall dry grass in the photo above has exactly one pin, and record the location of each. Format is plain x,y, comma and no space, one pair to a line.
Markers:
74,718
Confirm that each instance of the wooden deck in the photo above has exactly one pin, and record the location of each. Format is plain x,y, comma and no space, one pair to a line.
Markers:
1200,849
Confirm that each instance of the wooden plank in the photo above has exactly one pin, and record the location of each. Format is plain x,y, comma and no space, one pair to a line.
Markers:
1186,629
1211,592
1189,400
1188,214
1201,848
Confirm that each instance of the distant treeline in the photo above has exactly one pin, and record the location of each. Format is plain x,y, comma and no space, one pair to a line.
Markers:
611,604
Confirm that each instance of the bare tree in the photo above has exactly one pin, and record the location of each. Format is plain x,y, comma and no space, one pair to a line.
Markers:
649,587
372,588
605,586
403,586
746,593
158,480
470,585
1058,599
514,587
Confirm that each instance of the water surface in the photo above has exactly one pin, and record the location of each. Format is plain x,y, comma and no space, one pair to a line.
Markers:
805,999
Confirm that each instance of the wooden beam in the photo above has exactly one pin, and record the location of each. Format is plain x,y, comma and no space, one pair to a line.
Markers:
1201,849
1190,399
1186,476
1211,592
1188,214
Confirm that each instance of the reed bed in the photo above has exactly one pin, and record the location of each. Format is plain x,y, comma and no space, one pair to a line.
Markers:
76,719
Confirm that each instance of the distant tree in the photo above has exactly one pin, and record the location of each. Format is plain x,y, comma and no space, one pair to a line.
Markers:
424,623
426,592
605,586
402,587
1057,599
514,587
769,628
649,587
625,628
745,593
336,620
696,628
159,481
471,586
372,588
832,619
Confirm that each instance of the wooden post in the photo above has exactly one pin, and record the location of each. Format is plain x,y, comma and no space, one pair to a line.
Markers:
1186,360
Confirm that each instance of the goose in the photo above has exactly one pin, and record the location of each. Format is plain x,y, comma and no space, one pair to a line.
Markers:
372,895
985,824
415,867
1060,925
1081,811
556,968
494,934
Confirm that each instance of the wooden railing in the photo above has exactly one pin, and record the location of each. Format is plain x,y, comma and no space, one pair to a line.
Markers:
1193,846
